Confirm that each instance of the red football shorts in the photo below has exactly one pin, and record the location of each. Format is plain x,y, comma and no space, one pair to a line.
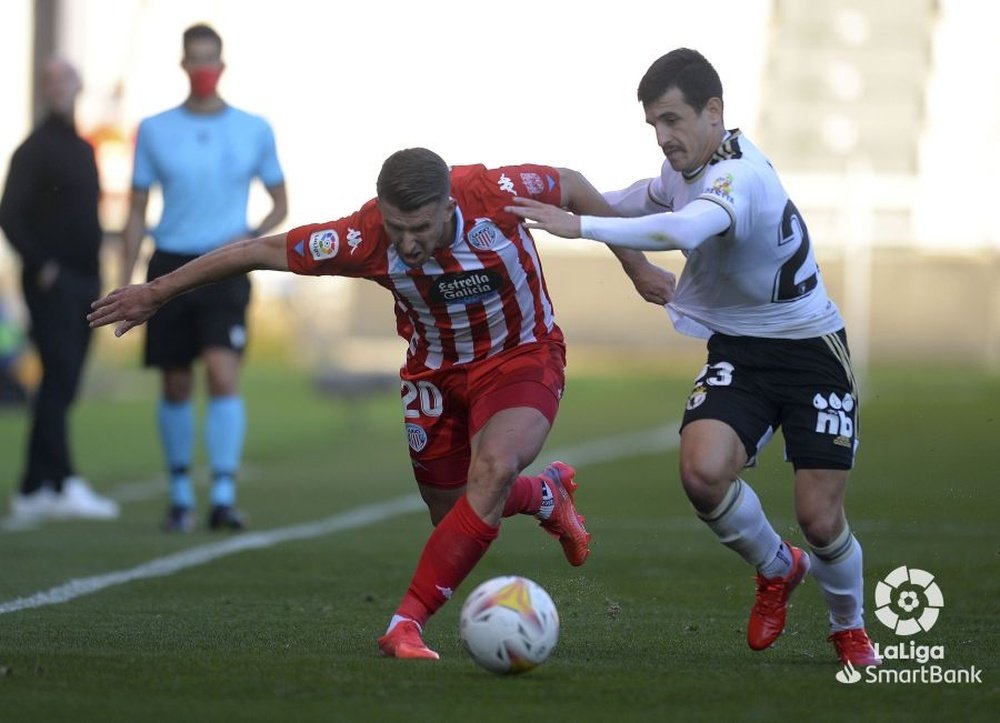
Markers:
443,410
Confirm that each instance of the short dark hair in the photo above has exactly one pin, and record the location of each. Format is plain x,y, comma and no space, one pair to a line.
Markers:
412,178
201,31
688,71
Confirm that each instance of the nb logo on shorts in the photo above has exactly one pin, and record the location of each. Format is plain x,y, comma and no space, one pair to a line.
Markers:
834,417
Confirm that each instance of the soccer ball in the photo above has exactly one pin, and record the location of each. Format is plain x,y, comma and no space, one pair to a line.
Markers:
509,624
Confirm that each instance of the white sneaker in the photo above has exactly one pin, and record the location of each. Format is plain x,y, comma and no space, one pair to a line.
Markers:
35,507
78,500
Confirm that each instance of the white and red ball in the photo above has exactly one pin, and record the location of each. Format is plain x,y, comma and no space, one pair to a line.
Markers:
509,624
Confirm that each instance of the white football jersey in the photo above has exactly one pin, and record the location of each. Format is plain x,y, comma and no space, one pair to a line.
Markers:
760,277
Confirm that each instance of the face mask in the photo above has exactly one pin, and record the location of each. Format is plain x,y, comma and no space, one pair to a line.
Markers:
203,81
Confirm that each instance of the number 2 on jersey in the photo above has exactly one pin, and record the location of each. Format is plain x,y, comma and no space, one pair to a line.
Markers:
794,231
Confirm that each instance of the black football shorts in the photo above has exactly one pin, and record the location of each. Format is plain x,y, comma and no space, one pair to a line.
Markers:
804,386
212,316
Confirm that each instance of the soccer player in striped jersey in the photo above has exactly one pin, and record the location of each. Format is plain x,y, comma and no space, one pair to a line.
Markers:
484,370
777,347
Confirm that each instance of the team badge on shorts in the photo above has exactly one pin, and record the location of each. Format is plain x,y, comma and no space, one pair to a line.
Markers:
416,437
697,397
237,336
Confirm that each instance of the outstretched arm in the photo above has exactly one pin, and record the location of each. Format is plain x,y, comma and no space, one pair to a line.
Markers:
130,306
685,229
654,284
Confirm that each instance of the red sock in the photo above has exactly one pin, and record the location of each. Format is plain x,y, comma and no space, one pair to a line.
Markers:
525,497
453,549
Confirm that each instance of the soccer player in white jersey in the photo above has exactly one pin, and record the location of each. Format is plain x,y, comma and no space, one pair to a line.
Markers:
484,371
777,347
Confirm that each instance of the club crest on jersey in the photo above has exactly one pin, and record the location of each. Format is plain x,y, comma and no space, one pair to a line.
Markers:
722,187
324,244
353,239
416,437
465,287
533,182
484,234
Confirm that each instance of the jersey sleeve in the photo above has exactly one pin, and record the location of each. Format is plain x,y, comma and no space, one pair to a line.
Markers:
346,247
495,187
529,181
637,199
269,170
144,167
733,186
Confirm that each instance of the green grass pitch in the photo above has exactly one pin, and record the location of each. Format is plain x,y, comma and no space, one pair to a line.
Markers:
652,625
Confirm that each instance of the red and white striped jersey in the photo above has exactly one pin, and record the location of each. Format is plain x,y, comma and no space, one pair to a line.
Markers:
482,294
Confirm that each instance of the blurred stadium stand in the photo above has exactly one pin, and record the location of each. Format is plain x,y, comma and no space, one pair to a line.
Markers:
866,109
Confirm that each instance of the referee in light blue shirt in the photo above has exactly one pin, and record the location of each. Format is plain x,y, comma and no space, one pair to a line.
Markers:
203,154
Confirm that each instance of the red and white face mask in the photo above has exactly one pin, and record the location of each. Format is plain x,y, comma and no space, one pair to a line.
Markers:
204,80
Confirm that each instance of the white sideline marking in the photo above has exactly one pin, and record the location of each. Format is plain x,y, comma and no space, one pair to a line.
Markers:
625,445
160,567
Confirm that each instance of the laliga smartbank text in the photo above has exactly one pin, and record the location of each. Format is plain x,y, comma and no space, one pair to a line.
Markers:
922,656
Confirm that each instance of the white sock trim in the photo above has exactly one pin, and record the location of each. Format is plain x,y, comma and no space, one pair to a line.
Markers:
741,525
837,549
397,619
729,500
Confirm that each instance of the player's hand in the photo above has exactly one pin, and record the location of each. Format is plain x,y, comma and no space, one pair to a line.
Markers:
546,217
654,284
129,306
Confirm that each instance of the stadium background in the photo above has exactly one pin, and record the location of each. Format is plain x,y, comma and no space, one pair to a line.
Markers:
866,110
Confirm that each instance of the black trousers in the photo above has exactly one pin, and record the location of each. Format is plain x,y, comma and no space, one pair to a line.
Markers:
61,335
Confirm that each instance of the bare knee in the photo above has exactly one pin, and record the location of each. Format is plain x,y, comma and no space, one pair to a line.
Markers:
819,504
178,384
704,485
822,527
712,456
490,480
440,500
437,511
492,473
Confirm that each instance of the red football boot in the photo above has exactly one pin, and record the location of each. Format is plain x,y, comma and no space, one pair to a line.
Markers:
564,523
767,617
404,641
854,647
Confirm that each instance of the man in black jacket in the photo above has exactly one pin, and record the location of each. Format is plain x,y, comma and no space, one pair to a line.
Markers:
49,214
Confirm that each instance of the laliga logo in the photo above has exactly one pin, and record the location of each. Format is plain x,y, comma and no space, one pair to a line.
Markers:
908,601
